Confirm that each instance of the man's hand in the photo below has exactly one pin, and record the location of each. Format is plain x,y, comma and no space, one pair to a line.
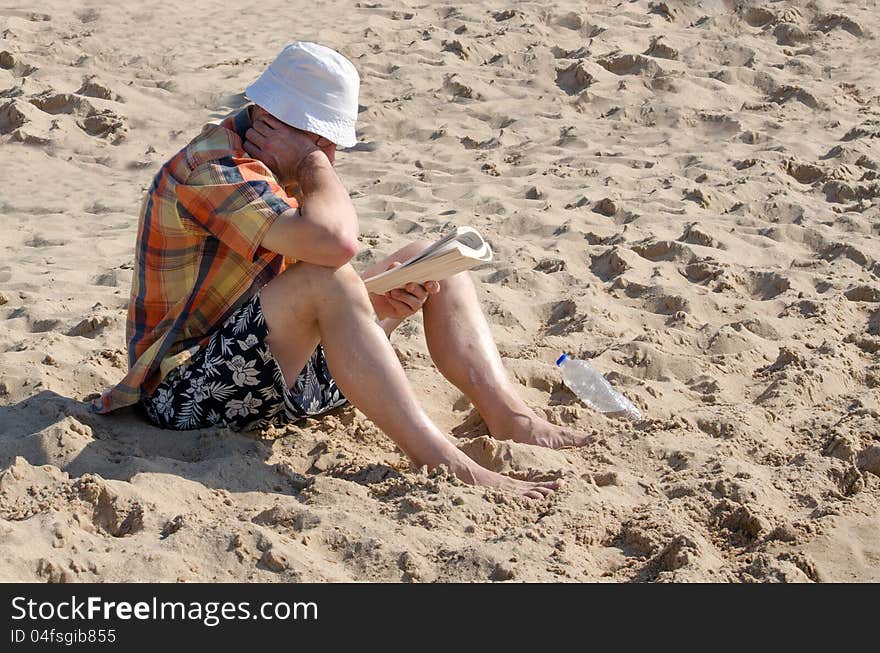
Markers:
400,303
281,147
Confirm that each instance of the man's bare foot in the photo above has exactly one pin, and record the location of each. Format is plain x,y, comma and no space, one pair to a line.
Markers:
487,478
474,474
526,427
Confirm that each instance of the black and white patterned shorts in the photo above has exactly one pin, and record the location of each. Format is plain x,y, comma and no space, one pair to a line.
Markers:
235,381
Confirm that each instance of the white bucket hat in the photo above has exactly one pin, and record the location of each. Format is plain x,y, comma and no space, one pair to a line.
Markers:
313,88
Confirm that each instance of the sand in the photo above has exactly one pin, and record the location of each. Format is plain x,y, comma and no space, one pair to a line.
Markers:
685,192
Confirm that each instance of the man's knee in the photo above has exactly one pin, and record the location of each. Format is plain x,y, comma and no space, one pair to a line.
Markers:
303,291
303,272
307,281
319,282
461,280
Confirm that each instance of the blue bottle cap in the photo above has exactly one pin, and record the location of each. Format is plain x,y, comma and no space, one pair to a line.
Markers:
561,358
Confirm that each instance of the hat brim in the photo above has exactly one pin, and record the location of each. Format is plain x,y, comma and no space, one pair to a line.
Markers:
301,113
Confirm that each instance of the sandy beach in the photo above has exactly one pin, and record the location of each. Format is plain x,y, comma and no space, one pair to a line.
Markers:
686,193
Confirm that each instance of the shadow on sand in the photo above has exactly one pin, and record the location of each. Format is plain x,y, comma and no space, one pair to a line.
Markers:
50,429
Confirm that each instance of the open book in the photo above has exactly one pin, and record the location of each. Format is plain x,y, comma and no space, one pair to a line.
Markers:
461,250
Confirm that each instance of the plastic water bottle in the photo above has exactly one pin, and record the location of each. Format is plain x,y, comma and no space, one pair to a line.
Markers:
593,389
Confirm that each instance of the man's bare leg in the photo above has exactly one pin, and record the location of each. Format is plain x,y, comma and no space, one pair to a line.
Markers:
309,303
464,351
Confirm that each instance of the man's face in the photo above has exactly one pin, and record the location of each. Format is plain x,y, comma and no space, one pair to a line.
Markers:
327,146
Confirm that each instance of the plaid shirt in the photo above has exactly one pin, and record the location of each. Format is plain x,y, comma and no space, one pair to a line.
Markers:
198,253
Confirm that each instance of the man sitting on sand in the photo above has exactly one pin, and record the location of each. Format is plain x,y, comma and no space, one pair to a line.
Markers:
246,312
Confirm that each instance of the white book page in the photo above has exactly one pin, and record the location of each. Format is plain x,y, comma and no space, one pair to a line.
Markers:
465,235
464,239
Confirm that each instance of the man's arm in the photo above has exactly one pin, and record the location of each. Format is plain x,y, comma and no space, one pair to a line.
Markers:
324,229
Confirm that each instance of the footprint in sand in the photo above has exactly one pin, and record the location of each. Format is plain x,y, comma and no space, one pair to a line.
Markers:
574,79
88,15
765,285
500,314
563,318
15,65
572,20
666,304
506,14
90,327
106,123
863,293
831,22
758,16
458,48
868,129
664,250
550,265
42,326
606,206
702,271
661,50
804,173
610,263
838,250
92,87
662,9
108,279
457,89
785,93
630,64
696,236
790,34
39,241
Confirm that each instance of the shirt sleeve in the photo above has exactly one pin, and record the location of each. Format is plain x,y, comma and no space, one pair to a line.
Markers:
234,199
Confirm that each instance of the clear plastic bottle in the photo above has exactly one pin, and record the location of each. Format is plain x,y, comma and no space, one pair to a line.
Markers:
593,389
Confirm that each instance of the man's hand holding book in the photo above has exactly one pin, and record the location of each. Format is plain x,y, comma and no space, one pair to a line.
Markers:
400,303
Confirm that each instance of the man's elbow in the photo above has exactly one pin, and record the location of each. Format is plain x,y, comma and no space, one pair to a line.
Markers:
342,251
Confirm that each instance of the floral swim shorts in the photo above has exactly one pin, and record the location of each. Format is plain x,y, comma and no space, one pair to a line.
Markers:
234,381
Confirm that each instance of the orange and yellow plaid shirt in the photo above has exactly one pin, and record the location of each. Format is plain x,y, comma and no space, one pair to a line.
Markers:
198,256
